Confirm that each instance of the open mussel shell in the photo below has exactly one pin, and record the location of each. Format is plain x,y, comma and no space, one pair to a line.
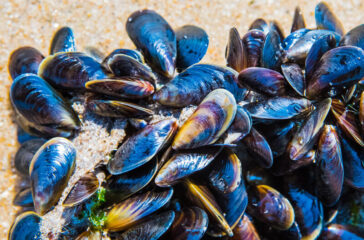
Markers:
25,226
342,232
355,37
39,104
151,229
24,60
142,147
294,76
50,170
24,198
129,52
253,42
329,170
209,121
120,187
272,53
298,20
114,108
340,67
239,128
259,147
234,53
269,206
128,87
152,34
245,230
192,85
63,41
326,19
307,134
70,70
25,154
346,120
263,80
84,188
189,223
184,163
279,108
122,65
192,44
260,24
131,210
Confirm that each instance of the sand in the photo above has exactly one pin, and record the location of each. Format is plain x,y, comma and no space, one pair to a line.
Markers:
102,24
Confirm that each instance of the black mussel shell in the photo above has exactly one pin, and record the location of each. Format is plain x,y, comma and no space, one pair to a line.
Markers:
152,34
361,112
63,41
245,229
129,52
95,53
342,232
234,53
26,226
253,42
192,44
24,60
355,37
24,198
272,53
239,128
283,165
293,37
274,25
298,20
25,154
260,24
294,76
326,19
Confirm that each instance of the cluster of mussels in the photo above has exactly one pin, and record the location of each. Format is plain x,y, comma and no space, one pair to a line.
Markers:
274,149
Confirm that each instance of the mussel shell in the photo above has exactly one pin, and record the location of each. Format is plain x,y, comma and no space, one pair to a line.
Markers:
293,37
274,25
192,85
283,165
41,105
128,87
192,44
190,223
272,53
151,229
260,24
298,20
355,37
142,147
307,134
24,60
209,121
63,41
25,154
24,198
95,53
329,170
131,210
239,128
70,70
120,187
122,65
152,34
245,230
262,80
361,111
113,108
259,147
129,52
25,226
137,123
270,206
234,53
279,108
294,76
253,42
184,163
341,232
50,170
326,19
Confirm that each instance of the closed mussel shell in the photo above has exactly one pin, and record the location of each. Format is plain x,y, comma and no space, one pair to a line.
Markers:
245,230
239,128
63,41
234,53
114,108
263,80
192,44
50,170
209,121
294,76
329,170
342,232
307,134
298,20
272,53
24,198
142,147
326,19
190,223
271,207
152,34
25,226
24,60
361,111
253,42
70,70
94,52
192,85
184,163
355,37
293,37
340,67
131,210
129,52
260,24
25,154
41,105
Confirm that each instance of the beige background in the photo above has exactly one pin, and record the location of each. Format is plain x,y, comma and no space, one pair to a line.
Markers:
102,24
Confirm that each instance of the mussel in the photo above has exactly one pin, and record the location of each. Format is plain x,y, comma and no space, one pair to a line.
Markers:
63,41
26,226
355,37
253,42
326,19
25,154
298,20
234,53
